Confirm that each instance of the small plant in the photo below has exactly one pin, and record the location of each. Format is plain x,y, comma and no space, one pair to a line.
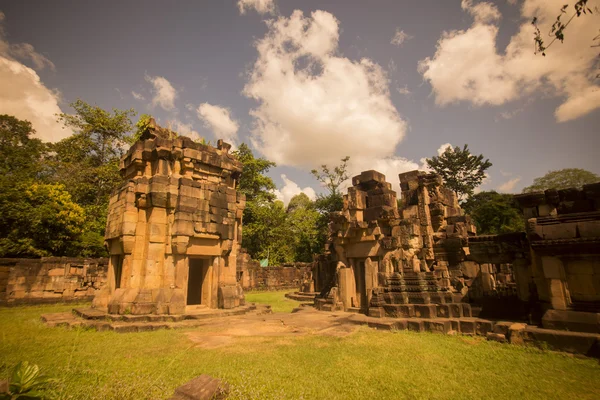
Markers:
26,382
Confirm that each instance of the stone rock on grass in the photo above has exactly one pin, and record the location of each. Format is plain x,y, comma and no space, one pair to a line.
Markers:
203,387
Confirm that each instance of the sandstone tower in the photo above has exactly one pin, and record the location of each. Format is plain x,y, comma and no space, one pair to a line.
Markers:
174,228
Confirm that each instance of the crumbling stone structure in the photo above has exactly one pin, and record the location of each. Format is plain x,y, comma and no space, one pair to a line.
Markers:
174,228
387,258
50,279
563,228
425,260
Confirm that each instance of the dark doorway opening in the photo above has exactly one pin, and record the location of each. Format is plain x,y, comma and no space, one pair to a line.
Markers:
196,278
117,262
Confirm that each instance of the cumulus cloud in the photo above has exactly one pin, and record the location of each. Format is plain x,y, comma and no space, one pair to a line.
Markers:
137,96
291,189
509,186
315,106
164,93
468,67
261,6
183,129
23,94
400,37
483,12
218,119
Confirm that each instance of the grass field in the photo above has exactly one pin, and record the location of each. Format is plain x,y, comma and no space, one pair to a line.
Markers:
365,365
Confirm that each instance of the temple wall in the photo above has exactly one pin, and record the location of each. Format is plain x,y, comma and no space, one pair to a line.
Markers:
51,279
252,276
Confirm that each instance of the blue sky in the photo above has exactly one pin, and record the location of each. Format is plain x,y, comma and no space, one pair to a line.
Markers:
385,82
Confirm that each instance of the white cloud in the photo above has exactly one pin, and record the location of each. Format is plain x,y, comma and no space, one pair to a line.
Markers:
316,107
183,129
219,120
483,12
509,186
23,94
467,66
261,6
405,91
25,51
291,189
442,149
137,96
164,93
400,37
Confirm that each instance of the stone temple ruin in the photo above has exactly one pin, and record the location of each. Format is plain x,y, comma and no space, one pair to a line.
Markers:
424,263
174,234
174,228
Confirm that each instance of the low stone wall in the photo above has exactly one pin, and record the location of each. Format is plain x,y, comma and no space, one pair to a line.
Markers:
252,276
50,279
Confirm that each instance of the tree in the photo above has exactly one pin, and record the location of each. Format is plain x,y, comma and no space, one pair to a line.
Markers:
87,164
557,31
262,217
562,179
39,220
254,182
332,201
303,221
20,153
494,213
461,171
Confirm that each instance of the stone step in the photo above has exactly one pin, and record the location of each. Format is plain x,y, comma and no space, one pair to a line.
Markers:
95,319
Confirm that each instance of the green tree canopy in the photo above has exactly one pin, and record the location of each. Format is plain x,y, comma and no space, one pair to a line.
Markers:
254,182
38,220
87,164
303,220
494,213
20,152
461,171
562,179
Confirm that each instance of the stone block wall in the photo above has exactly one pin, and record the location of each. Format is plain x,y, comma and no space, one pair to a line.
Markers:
174,227
251,276
50,279
563,228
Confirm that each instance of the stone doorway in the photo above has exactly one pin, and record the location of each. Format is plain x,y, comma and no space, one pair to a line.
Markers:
198,287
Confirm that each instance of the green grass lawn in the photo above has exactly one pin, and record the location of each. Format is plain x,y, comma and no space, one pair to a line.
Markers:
368,364
277,300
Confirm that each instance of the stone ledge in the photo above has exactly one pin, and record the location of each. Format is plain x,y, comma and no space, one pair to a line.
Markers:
100,321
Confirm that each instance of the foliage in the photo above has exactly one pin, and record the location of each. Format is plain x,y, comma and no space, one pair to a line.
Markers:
562,179
254,182
26,382
38,220
332,201
461,171
267,234
558,27
87,164
150,365
494,213
20,153
303,222
263,217
332,179
269,230
141,126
